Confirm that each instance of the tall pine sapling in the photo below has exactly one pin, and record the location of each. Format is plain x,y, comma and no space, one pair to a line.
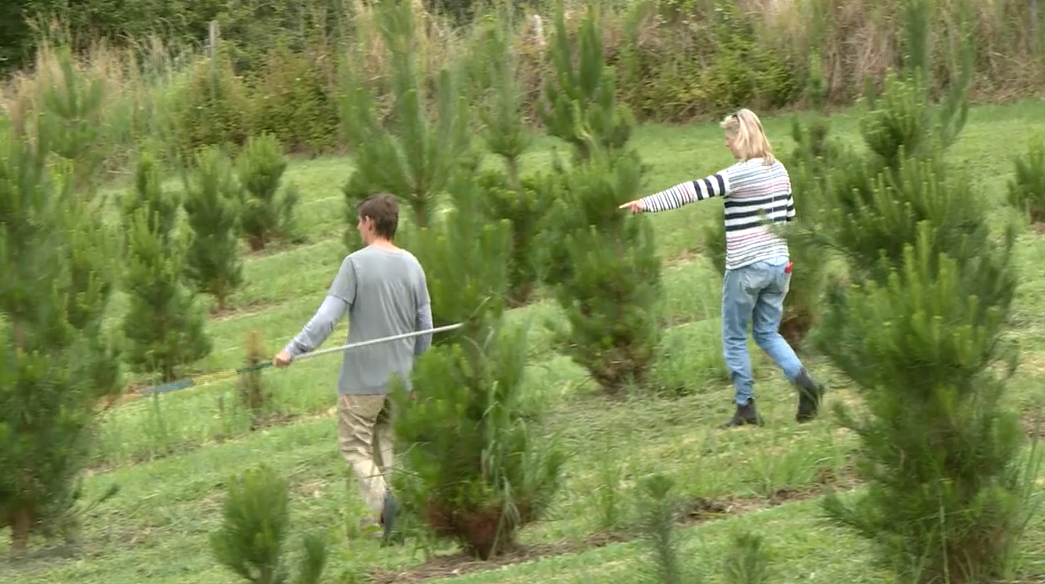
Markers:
919,326
505,194
73,119
412,154
266,212
602,264
585,96
475,471
213,260
57,259
164,323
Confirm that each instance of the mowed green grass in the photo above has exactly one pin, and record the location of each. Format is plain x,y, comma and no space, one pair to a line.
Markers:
172,455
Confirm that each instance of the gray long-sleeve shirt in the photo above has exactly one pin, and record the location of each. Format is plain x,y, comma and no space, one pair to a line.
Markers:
385,293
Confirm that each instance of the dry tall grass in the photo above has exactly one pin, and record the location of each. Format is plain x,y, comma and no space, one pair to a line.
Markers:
838,42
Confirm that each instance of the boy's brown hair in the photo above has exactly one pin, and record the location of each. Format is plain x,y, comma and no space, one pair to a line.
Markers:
383,210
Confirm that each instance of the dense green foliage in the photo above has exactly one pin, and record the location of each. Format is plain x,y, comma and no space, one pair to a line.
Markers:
252,539
1026,190
163,323
919,326
212,199
601,263
266,212
59,263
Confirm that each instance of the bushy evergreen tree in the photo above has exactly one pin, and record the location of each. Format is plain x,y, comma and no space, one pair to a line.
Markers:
919,327
251,541
58,262
1026,190
213,260
474,469
507,195
413,152
602,264
581,100
164,323
266,212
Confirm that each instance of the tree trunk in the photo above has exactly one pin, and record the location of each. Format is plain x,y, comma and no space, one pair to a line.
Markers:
21,527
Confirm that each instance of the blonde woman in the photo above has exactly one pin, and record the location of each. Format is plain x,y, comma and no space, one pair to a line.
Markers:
757,191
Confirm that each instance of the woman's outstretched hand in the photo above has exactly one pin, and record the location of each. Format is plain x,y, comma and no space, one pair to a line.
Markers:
634,206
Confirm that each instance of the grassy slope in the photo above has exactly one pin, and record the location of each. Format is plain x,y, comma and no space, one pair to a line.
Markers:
172,455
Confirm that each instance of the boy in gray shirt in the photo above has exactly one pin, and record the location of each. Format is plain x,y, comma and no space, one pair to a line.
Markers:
384,292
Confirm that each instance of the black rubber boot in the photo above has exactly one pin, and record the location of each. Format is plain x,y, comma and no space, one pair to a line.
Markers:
810,395
388,516
745,415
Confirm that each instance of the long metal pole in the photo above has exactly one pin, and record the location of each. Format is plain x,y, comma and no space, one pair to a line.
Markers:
212,377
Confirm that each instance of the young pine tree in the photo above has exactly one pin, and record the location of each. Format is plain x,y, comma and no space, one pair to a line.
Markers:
412,154
602,263
164,323
475,471
266,212
658,527
582,100
252,539
505,194
73,118
919,327
58,261
1026,190
213,261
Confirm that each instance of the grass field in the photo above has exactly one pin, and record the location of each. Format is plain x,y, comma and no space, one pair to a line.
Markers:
172,455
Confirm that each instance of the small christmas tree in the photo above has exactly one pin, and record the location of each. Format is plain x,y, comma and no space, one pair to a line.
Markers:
476,472
266,212
213,262
1026,190
414,152
505,194
583,100
164,323
58,262
256,524
602,263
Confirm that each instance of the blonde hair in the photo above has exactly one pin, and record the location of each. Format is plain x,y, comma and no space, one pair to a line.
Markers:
749,139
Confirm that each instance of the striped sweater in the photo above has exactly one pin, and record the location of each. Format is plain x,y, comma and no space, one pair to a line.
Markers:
755,194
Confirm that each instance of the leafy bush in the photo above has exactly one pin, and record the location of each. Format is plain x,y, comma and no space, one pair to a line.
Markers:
164,323
474,469
292,102
1026,190
256,524
266,213
212,108
59,263
213,260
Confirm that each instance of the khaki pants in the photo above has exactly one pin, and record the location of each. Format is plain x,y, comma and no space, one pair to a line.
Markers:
362,419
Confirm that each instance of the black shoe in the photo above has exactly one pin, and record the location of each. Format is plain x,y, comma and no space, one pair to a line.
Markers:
810,395
388,515
745,415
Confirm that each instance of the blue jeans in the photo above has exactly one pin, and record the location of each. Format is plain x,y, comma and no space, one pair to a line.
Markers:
755,294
